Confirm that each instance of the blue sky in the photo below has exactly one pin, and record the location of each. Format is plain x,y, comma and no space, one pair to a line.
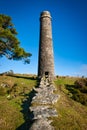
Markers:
69,29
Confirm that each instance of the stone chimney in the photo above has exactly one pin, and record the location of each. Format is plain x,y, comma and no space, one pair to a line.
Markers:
46,58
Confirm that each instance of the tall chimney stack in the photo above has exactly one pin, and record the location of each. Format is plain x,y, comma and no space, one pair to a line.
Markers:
46,58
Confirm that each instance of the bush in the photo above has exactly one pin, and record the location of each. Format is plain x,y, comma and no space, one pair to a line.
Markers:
79,90
80,97
84,89
72,89
80,83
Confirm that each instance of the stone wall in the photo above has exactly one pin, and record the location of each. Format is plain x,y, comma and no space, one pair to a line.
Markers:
42,105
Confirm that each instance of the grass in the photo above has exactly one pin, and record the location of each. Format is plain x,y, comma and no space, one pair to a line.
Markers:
14,111
10,115
71,114
14,106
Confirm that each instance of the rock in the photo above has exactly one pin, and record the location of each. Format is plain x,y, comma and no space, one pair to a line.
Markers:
43,112
4,85
9,97
42,124
44,98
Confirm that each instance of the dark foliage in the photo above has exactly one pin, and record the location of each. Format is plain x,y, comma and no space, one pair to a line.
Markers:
79,90
9,44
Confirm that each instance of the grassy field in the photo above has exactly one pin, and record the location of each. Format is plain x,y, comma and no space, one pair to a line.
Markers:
15,93
72,115
14,101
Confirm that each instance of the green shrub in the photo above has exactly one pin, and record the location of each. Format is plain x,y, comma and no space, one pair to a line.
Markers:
72,89
79,90
80,97
83,89
80,83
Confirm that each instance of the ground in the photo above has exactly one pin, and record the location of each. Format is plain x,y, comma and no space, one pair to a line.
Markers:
15,97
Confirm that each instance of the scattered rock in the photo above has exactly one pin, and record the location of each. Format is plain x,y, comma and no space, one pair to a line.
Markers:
4,85
9,97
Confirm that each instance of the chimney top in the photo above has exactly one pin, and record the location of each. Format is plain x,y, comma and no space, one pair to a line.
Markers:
45,14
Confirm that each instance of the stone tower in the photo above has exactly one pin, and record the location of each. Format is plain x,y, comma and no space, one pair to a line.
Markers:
46,58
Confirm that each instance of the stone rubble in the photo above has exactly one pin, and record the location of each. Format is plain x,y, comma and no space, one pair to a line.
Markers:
43,112
42,105
42,124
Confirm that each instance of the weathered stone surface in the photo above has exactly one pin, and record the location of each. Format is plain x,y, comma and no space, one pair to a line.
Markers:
45,96
44,99
43,112
45,93
42,124
46,58
49,88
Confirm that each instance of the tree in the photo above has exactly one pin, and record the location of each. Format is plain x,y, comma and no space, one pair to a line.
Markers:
9,44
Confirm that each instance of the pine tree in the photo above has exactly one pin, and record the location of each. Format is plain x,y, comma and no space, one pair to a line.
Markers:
9,43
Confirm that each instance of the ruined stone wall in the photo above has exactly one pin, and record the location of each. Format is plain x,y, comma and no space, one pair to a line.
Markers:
42,106
46,58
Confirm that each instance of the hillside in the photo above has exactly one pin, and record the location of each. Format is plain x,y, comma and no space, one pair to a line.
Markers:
15,97
72,114
14,101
